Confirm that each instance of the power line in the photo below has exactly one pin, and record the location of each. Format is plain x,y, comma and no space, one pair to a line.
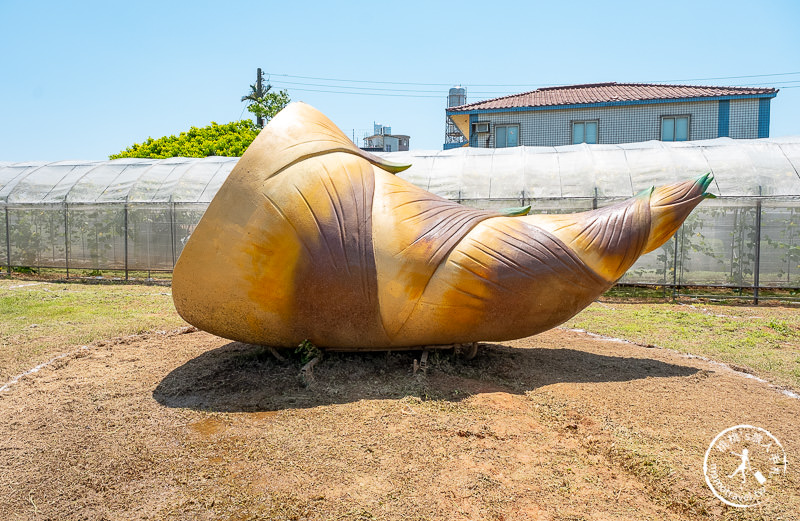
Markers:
372,93
283,82
344,80
415,91
330,88
422,93
426,93
769,83
410,94
365,81
734,77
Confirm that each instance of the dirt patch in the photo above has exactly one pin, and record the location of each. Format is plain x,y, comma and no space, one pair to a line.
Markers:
561,426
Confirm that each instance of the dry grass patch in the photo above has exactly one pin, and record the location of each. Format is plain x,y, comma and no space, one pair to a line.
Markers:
762,340
39,320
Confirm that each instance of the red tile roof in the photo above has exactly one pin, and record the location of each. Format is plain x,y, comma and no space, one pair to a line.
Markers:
605,93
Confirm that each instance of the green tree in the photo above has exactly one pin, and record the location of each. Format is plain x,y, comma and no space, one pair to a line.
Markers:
265,107
263,103
230,139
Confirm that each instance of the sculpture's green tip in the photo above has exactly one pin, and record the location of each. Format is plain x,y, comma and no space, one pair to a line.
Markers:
646,192
516,211
393,167
705,180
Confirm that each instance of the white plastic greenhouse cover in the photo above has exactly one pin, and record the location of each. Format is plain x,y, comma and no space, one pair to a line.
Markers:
179,180
740,168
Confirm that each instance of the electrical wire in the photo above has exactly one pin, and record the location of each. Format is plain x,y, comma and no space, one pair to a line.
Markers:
438,93
739,77
381,87
372,93
343,80
374,90
439,96
283,82
371,81
770,83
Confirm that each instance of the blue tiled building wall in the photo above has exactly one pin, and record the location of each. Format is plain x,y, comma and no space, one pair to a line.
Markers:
744,119
763,117
724,118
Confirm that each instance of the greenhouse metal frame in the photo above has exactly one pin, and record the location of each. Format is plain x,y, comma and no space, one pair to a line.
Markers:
136,214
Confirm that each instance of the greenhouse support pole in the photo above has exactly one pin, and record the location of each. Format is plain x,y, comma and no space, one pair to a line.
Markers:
675,266
757,267
125,227
8,245
594,200
66,239
172,230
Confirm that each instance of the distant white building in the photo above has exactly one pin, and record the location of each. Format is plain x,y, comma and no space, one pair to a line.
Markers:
383,140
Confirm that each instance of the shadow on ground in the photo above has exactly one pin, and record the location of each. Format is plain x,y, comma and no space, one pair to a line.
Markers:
240,377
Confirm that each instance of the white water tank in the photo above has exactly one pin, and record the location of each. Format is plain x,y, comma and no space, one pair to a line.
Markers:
457,96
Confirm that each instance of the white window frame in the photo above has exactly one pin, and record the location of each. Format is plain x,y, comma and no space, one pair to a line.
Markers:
505,126
583,122
675,118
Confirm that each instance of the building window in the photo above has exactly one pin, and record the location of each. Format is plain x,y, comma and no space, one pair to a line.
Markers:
674,128
388,147
584,132
506,136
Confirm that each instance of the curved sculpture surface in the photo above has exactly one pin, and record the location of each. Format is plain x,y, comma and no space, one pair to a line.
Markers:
312,238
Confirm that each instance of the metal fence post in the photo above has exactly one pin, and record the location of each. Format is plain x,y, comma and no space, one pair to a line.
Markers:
8,244
675,266
125,242
172,230
757,267
66,238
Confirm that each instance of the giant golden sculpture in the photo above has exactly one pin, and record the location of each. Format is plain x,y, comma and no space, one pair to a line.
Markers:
312,238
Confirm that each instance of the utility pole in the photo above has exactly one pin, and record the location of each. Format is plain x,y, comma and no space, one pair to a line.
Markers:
259,119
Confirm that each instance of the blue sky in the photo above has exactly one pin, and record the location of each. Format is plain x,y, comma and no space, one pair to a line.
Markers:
82,80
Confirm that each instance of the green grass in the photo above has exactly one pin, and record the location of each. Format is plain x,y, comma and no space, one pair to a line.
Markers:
39,319
80,274
764,340
731,295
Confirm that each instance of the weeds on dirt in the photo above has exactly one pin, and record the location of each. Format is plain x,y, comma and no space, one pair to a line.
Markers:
658,477
307,351
235,436
626,451
764,341
39,320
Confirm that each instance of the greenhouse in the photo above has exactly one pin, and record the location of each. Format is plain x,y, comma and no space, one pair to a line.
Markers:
136,214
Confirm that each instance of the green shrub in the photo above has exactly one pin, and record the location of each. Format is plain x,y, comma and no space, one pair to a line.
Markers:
230,139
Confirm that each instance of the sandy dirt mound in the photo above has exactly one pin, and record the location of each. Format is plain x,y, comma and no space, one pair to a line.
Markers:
562,426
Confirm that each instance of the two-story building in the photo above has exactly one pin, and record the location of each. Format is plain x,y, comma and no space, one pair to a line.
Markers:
614,113
382,140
